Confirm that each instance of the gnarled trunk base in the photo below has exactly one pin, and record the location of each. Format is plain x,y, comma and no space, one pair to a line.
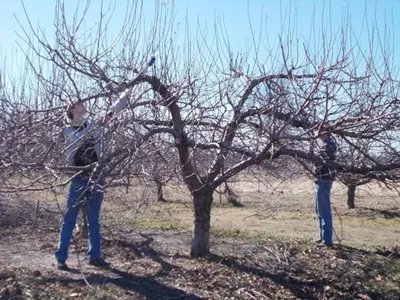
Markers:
202,201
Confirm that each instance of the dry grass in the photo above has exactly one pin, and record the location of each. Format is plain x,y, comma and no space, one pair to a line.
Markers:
272,209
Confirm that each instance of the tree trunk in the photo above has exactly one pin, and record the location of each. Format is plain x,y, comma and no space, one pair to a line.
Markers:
160,195
202,201
351,194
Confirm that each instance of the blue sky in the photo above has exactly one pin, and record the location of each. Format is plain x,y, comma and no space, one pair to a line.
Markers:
237,15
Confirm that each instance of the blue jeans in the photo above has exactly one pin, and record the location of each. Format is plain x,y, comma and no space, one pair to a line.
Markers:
323,210
81,189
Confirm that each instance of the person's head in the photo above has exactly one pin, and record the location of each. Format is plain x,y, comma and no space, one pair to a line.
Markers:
76,111
324,135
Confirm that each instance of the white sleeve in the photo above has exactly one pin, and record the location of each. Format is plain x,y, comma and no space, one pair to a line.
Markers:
122,102
119,105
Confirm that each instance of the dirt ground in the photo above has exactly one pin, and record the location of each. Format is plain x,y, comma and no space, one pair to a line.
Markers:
154,262
156,265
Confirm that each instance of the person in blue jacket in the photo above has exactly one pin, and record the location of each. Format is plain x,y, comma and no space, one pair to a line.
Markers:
324,177
84,149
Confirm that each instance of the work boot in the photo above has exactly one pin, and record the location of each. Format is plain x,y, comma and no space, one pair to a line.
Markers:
62,266
99,262
323,244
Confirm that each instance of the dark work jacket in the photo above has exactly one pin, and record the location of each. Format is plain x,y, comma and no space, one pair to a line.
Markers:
327,152
86,153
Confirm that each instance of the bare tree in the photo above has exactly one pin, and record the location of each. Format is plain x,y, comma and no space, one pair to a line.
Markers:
214,105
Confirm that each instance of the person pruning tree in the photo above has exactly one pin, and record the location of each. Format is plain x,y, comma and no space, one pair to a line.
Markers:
84,149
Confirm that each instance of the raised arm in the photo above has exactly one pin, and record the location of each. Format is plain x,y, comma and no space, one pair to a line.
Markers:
120,105
124,96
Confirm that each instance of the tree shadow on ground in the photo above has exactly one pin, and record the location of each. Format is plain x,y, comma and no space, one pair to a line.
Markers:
387,214
145,286
376,263
348,250
299,288
144,248
303,288
308,285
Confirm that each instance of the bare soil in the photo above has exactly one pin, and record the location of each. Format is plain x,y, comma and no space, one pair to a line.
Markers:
156,265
